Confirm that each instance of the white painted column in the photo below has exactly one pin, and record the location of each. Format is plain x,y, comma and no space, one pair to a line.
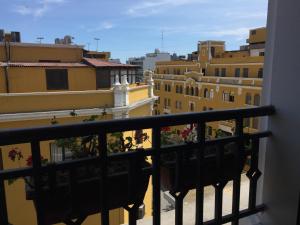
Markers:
151,85
118,93
280,154
125,88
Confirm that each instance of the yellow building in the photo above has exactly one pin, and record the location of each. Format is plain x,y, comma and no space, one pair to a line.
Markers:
40,83
219,79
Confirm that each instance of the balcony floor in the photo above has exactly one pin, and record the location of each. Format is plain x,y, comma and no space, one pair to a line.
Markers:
168,212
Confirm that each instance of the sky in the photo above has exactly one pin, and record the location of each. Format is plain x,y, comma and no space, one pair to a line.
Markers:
132,28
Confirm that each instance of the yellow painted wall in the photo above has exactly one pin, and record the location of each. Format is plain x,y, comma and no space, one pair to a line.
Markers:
2,80
50,102
33,79
260,36
138,93
2,53
34,53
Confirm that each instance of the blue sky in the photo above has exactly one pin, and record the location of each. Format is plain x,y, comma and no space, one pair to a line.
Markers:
133,27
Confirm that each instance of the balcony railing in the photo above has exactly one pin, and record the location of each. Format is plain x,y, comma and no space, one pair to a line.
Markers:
102,129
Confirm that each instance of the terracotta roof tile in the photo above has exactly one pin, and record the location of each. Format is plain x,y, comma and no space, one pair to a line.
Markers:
42,64
101,63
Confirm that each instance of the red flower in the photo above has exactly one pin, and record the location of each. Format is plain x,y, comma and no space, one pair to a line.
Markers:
165,129
29,160
185,133
15,153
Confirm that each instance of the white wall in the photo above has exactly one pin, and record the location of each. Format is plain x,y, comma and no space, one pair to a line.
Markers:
281,180
149,62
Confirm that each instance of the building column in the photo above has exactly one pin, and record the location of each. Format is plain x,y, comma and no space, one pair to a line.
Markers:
125,88
151,85
279,154
118,93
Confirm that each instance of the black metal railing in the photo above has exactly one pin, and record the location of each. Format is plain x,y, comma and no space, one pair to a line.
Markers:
36,135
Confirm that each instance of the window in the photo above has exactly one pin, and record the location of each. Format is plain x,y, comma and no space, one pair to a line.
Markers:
257,99
156,112
168,87
180,89
206,93
167,102
248,99
223,72
57,79
187,90
58,154
192,106
192,91
178,105
177,89
228,97
245,72
237,72
196,91
157,86
260,73
262,54
217,72
213,51
253,32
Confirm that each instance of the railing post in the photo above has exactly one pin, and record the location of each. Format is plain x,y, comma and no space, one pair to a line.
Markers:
156,142
237,176
253,174
199,185
3,207
36,165
102,142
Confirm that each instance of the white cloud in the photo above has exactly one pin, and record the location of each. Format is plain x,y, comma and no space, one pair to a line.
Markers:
245,15
106,25
148,7
238,33
37,8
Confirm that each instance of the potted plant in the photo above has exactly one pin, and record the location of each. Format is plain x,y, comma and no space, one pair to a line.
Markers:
187,178
75,193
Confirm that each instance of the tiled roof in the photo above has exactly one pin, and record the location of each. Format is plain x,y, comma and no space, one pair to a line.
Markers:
101,63
42,64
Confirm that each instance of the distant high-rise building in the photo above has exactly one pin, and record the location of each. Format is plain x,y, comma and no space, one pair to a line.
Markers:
1,35
67,40
148,62
15,36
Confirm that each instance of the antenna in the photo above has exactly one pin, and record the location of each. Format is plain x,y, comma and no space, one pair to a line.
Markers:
88,45
40,39
97,40
162,40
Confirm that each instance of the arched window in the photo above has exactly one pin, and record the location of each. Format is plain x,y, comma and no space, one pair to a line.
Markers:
180,89
260,73
206,93
257,99
192,106
248,99
177,89
192,91
196,91
187,90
